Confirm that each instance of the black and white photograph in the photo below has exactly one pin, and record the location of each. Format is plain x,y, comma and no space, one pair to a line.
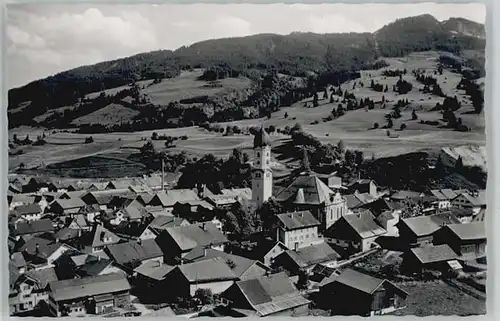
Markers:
246,160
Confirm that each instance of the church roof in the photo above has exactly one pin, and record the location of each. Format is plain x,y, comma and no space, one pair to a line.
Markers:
261,139
306,190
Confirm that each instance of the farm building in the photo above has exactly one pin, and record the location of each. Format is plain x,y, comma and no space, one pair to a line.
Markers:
167,199
355,293
428,257
355,232
307,258
130,255
94,295
274,295
468,239
474,201
97,239
416,231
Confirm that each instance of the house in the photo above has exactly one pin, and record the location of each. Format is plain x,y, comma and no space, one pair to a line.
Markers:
149,281
358,200
30,289
213,274
238,193
32,228
242,267
263,249
274,295
97,239
90,212
475,201
306,258
130,255
73,264
41,253
28,212
104,198
16,200
419,230
444,197
167,199
355,293
79,222
138,189
355,232
90,295
429,258
310,193
123,183
134,211
67,235
66,206
467,240
297,229
72,194
160,223
177,242
387,215
361,186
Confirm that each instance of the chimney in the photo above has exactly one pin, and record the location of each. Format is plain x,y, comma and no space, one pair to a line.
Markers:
139,241
37,248
296,246
204,251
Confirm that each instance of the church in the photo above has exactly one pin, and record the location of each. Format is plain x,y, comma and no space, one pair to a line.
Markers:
305,193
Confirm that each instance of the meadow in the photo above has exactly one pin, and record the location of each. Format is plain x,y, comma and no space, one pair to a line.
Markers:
355,128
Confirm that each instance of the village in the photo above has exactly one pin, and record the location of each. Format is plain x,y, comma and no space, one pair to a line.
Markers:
121,248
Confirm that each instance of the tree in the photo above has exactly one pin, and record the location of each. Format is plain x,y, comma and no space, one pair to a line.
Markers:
272,129
154,136
402,127
169,141
331,99
372,84
229,130
325,94
267,214
389,122
204,295
358,155
459,164
414,115
286,115
89,140
375,126
21,165
383,98
16,139
349,159
303,281
315,99
386,89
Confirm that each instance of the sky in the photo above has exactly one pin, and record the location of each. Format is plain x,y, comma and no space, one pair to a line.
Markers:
44,39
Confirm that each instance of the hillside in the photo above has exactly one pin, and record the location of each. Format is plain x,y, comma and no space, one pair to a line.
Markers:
296,54
465,27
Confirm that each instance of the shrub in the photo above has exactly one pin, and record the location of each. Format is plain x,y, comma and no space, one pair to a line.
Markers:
89,140
402,127
375,126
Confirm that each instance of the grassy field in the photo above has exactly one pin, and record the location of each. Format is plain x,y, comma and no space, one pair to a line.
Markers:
187,86
355,128
438,298
108,116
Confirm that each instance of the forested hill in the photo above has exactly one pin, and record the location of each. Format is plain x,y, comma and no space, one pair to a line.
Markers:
294,54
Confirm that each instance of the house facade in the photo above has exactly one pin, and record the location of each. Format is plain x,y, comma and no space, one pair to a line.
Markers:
297,229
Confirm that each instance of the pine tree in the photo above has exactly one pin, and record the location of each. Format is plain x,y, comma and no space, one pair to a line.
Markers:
315,100
414,115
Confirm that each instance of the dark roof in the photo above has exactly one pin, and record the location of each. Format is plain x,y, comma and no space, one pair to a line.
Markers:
162,222
27,209
93,266
313,189
70,203
444,194
134,210
31,227
425,225
361,281
90,286
66,233
241,264
45,247
364,224
195,235
313,254
171,197
431,254
154,270
214,269
43,276
261,139
124,253
297,220
271,294
469,231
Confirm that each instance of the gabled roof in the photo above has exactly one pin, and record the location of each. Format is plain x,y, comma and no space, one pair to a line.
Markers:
31,227
66,233
27,209
469,231
313,254
444,194
207,270
361,281
140,189
134,210
163,222
90,286
23,198
106,196
241,264
271,294
313,189
297,220
100,236
93,266
154,270
123,183
124,253
43,276
170,197
67,204
476,200
402,195
40,247
363,223
425,225
431,254
195,235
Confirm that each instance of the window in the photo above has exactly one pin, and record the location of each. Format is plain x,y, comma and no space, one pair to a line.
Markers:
267,162
258,154
258,162
268,154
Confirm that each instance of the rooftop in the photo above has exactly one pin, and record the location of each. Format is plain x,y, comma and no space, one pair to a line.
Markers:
431,254
425,225
469,231
313,189
124,253
297,220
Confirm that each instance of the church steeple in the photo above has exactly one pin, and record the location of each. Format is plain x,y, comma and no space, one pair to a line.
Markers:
262,176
